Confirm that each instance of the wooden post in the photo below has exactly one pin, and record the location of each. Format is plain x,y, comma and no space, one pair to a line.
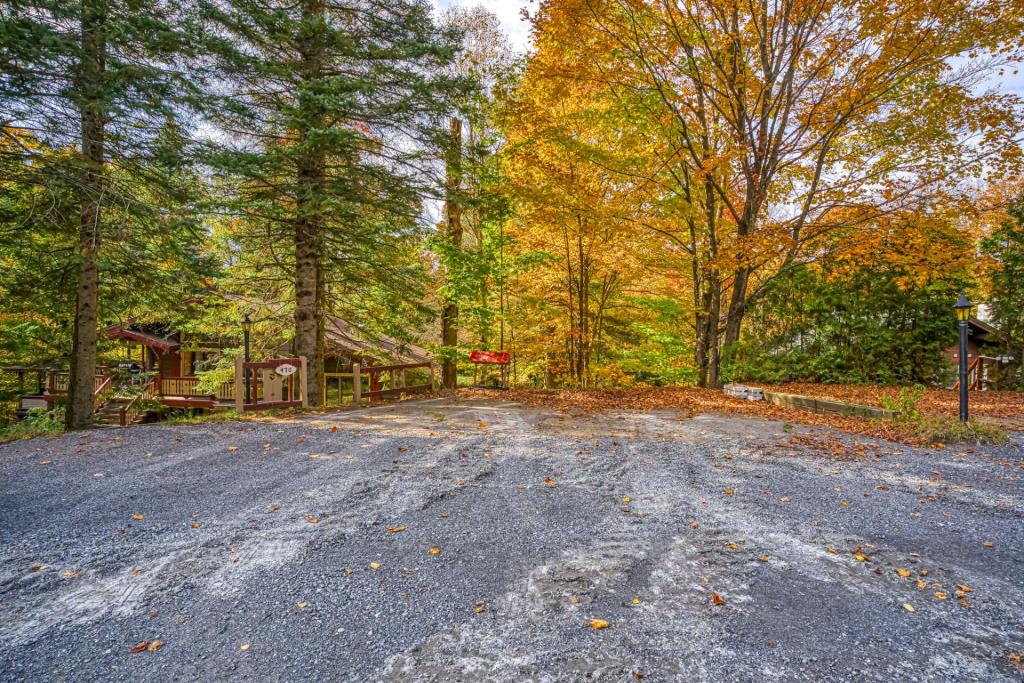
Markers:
401,378
302,382
357,385
433,378
239,384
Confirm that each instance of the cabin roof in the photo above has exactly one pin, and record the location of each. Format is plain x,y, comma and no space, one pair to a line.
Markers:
341,335
161,344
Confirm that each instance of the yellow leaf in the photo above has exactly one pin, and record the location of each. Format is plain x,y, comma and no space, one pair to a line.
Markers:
987,544
244,647
845,503
636,601
785,499
68,573
479,606
907,606
921,585
860,558
902,572
375,566
138,518
598,624
45,462
941,596
831,550
763,558
434,550
627,499
396,529
155,645
302,605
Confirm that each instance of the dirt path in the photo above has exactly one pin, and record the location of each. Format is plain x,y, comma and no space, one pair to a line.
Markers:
266,536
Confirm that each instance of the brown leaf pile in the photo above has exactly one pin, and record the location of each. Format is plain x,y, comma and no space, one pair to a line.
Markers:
695,400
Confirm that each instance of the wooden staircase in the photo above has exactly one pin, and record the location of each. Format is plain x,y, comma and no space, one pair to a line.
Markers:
109,414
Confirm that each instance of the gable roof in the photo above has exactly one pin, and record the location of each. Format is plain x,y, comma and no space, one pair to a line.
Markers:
341,335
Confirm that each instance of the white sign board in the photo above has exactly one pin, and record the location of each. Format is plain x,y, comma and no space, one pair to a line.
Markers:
285,369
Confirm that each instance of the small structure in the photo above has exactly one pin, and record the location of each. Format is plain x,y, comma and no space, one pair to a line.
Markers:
982,370
499,358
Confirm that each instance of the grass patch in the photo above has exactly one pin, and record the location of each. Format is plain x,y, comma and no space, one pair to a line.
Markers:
38,422
936,429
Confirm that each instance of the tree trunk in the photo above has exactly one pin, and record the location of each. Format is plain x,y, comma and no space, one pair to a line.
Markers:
453,231
311,178
93,121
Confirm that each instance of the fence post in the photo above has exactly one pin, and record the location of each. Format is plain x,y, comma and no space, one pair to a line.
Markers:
401,378
357,385
433,378
239,382
303,370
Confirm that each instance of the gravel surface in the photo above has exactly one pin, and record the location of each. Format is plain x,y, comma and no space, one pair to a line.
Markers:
462,541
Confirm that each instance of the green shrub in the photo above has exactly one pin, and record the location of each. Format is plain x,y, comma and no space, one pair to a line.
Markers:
38,422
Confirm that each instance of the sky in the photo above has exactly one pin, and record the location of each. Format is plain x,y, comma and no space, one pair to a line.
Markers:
509,12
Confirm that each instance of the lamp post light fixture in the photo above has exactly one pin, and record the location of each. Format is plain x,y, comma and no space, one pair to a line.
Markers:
246,329
963,314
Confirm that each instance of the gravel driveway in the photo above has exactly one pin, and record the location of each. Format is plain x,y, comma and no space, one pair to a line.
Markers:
462,541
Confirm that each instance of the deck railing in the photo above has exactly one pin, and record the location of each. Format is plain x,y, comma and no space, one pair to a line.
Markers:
57,382
186,386
133,409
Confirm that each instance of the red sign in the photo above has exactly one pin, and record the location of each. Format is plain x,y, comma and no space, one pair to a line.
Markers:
491,357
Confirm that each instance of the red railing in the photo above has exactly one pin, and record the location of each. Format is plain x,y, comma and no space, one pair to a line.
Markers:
396,384
132,410
186,386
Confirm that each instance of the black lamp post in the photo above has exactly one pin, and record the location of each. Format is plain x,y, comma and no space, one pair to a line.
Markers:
963,314
246,328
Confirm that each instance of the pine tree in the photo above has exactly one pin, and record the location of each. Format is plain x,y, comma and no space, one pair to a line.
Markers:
332,112
100,77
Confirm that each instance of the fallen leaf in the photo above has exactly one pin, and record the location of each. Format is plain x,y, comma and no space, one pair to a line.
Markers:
232,449
135,570
155,645
727,492
334,428
196,525
941,596
598,624
549,481
694,525
627,499
375,566
845,503
38,567
831,550
987,544
244,647
312,519
921,585
274,507
68,573
636,601
138,518
479,606
964,587
140,647
763,558
717,599
348,570
45,462
785,499
396,529
434,550
731,546
298,439
860,558
902,572
302,605
907,606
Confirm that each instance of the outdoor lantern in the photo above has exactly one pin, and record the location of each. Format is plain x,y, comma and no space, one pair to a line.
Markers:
963,308
963,314
246,324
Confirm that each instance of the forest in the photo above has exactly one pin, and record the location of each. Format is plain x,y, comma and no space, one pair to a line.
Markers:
656,192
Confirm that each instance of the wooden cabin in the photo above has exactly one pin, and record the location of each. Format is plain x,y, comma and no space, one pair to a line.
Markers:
982,370
164,365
